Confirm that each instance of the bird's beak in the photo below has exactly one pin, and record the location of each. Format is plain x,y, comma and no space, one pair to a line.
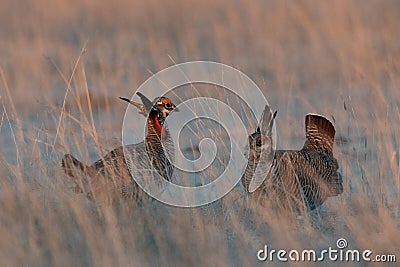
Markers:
176,109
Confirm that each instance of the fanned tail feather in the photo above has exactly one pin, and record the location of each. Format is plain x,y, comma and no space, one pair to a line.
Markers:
320,133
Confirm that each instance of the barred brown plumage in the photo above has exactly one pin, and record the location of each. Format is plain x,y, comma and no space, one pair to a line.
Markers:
296,179
112,171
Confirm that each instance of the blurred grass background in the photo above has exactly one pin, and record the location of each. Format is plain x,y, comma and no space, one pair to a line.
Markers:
337,58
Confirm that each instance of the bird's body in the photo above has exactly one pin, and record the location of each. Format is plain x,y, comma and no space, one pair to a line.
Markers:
298,179
112,172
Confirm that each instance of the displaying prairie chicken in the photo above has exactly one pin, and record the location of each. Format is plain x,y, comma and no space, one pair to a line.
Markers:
113,171
295,179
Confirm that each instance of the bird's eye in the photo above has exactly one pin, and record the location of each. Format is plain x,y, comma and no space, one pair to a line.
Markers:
168,105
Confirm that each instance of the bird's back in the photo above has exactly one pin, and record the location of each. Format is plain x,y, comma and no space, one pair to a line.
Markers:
304,177
115,169
105,179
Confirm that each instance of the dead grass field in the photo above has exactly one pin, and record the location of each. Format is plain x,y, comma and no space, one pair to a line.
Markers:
337,58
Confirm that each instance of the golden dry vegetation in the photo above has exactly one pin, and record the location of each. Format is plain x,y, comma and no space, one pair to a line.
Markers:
63,65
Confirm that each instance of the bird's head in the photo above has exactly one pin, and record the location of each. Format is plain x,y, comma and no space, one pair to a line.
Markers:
163,106
254,145
255,139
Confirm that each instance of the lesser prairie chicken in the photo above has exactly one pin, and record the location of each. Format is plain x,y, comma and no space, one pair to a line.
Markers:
299,179
112,172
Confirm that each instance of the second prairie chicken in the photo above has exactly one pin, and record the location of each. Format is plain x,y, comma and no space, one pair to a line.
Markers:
294,178
113,171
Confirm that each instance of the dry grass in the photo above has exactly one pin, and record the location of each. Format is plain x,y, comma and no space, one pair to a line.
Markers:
64,64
